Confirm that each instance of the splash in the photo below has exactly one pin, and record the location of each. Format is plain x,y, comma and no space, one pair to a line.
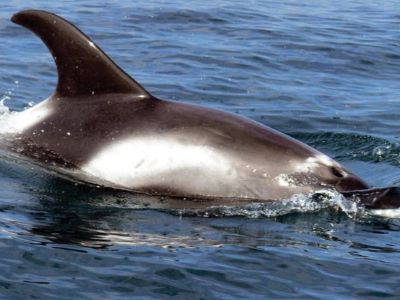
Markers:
12,122
4,110
299,203
5,117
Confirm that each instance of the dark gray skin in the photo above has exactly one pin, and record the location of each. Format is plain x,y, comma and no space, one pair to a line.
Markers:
96,103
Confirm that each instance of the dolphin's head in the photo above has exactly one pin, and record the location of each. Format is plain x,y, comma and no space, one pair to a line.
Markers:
331,173
319,170
345,181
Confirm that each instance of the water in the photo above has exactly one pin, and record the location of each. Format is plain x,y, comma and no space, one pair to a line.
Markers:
324,72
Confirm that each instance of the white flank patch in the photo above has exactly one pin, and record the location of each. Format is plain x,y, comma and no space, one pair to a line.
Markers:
17,122
162,161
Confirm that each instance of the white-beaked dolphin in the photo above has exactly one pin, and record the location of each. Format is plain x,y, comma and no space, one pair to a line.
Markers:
102,122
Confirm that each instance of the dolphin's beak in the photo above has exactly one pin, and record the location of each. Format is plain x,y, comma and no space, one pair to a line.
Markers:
376,198
355,189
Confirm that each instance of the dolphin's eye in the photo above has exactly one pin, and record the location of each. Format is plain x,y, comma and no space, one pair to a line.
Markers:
337,172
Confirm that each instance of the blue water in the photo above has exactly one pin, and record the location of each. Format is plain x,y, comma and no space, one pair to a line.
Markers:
325,72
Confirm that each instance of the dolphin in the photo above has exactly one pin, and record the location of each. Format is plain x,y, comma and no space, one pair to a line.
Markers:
103,123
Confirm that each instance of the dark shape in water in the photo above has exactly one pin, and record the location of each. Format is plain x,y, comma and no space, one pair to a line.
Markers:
101,121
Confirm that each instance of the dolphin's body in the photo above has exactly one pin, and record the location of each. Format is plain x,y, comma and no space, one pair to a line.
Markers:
101,121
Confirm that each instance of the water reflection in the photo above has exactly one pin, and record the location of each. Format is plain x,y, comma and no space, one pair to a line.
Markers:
95,217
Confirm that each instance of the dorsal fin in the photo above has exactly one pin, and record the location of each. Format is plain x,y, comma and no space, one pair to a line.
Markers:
83,68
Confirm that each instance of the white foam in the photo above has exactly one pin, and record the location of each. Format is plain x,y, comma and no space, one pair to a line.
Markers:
296,203
4,110
17,122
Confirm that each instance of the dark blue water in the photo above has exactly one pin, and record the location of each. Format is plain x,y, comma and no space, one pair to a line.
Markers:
324,72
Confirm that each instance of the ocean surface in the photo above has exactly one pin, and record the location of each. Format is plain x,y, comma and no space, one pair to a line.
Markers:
324,72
